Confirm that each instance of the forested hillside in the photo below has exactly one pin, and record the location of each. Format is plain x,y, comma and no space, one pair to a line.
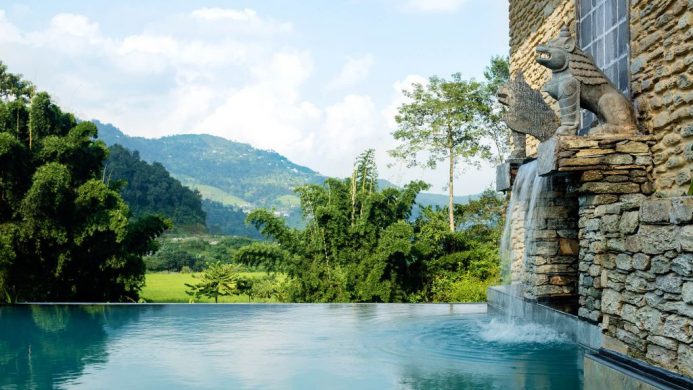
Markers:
227,172
234,174
149,189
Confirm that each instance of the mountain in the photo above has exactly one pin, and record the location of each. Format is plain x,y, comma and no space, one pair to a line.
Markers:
233,173
224,171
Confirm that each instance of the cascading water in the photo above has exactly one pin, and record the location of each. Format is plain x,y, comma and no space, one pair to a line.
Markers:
522,214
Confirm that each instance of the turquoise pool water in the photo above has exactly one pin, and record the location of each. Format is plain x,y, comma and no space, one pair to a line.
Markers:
362,346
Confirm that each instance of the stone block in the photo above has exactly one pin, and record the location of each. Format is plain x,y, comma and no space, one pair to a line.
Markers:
568,246
610,223
679,328
632,147
618,159
503,175
686,238
683,265
681,210
661,356
670,283
611,302
649,319
687,292
685,359
610,188
663,342
658,239
629,313
661,265
624,262
641,261
629,222
655,211
637,284
604,209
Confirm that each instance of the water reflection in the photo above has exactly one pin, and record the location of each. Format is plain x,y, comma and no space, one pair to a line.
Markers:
43,346
277,346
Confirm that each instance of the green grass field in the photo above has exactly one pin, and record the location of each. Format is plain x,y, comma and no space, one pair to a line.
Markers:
170,288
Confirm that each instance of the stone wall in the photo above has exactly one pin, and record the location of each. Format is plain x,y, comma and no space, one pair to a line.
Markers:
661,64
662,86
635,263
647,297
533,23
551,245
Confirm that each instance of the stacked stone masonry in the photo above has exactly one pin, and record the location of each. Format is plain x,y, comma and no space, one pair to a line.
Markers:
551,245
661,70
661,73
635,264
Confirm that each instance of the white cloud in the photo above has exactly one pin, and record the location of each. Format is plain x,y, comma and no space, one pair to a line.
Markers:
232,73
398,97
431,5
222,13
8,32
353,71
243,20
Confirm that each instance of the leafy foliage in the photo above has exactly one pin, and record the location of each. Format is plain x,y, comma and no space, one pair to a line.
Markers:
496,74
218,280
194,252
442,119
379,254
149,189
64,234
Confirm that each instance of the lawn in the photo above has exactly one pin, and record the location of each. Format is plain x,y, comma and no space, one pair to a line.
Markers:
165,287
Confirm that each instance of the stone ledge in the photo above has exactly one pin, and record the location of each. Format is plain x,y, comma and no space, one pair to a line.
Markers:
568,154
506,172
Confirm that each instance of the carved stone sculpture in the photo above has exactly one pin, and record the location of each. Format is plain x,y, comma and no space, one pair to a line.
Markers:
577,82
526,113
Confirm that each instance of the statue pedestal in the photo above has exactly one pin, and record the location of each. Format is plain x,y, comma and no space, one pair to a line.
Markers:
580,154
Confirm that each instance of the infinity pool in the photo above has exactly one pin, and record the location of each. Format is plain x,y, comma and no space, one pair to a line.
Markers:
362,346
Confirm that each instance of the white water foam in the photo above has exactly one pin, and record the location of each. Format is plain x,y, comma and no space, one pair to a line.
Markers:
510,332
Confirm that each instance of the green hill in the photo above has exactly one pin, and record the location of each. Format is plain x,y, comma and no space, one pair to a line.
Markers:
223,171
232,173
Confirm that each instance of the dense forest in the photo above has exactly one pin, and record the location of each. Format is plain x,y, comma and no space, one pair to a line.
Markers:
149,189
65,234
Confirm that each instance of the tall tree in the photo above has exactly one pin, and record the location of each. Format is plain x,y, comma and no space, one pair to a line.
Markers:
443,120
364,178
496,74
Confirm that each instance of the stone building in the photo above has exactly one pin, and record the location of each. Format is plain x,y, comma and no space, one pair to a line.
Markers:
616,234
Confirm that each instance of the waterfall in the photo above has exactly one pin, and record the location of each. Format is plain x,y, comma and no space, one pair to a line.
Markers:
521,214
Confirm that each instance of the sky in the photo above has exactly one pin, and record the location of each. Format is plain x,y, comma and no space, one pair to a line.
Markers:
318,81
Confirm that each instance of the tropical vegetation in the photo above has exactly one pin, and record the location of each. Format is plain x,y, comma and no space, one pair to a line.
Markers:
65,234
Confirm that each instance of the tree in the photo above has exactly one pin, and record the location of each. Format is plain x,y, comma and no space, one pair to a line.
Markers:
442,119
496,74
218,280
364,179
64,234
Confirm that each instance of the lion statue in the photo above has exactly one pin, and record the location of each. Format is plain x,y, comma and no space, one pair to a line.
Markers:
576,82
525,112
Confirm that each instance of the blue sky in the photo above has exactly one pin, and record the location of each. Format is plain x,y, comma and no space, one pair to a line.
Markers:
318,81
